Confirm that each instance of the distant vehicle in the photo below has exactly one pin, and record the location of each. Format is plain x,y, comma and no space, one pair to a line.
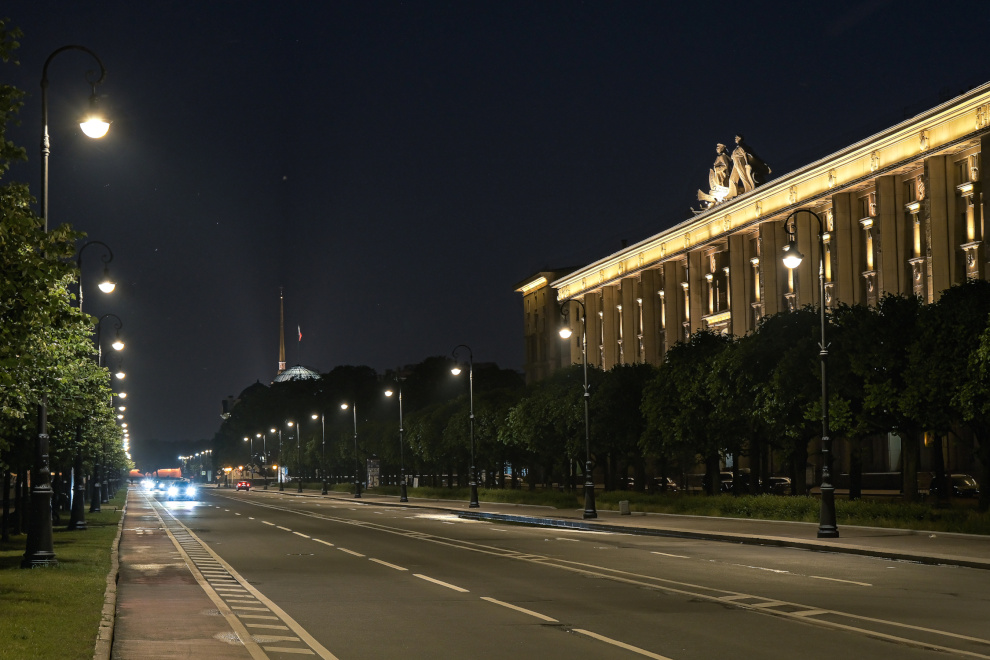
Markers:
245,485
725,482
960,485
657,484
182,491
779,485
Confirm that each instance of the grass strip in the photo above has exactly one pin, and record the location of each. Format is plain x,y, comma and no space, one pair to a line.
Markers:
54,612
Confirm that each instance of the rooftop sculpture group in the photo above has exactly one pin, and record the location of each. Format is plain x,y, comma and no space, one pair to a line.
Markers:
732,174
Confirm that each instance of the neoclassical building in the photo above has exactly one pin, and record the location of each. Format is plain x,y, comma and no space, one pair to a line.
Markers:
903,212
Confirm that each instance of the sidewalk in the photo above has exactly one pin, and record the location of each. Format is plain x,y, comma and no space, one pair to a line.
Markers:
969,550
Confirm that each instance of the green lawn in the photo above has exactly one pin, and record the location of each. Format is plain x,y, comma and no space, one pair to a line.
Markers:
54,612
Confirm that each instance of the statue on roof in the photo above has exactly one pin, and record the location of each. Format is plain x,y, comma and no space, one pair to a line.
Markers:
732,174
748,170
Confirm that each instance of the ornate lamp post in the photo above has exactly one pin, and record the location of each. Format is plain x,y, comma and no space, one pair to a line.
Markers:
281,482
323,456
117,344
827,527
357,463
250,440
298,458
402,461
77,516
456,371
589,482
93,126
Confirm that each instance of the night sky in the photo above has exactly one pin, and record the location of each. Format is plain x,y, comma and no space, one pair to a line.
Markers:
398,167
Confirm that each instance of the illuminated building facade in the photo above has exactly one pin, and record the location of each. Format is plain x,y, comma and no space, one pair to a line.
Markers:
904,213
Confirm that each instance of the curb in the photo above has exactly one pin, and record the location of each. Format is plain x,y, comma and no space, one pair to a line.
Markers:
104,637
747,539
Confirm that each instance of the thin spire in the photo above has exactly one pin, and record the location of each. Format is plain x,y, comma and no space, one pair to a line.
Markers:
281,332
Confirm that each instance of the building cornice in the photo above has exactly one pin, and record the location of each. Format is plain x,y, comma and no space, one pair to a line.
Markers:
947,125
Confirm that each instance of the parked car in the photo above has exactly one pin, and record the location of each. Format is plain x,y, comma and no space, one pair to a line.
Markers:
725,482
244,485
960,485
779,485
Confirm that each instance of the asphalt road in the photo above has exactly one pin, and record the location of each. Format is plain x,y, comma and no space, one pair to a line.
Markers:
339,578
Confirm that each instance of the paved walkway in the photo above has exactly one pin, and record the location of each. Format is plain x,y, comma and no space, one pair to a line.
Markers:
162,612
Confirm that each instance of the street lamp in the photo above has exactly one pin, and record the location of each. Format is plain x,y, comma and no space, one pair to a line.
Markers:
357,463
456,371
323,457
117,344
792,259
589,482
251,456
94,125
77,515
106,285
298,458
402,462
278,474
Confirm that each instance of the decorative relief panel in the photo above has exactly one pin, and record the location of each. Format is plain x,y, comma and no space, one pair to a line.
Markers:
831,179
829,220
726,223
792,195
875,161
759,209
923,141
982,116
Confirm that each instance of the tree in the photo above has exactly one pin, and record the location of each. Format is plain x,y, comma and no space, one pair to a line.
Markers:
679,407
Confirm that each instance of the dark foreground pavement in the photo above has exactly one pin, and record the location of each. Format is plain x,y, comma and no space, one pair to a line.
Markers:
163,611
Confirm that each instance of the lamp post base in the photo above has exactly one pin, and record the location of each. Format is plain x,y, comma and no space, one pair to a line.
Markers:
827,529
402,492
357,489
474,497
299,489
589,501
324,491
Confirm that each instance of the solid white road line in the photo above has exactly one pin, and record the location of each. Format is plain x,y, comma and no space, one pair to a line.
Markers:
667,554
862,584
442,584
621,645
519,609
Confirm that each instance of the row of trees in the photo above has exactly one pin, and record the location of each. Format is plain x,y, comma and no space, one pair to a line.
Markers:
46,345
920,371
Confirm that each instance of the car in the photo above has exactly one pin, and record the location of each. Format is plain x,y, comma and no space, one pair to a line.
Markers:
960,485
182,490
725,482
779,485
246,485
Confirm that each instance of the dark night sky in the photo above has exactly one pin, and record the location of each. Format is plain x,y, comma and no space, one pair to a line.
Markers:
399,166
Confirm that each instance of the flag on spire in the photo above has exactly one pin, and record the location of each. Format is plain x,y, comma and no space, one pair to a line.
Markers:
300,332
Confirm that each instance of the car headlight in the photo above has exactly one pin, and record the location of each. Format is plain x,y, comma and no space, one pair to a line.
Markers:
190,491
172,490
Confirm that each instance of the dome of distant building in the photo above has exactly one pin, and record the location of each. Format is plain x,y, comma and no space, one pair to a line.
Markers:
298,372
